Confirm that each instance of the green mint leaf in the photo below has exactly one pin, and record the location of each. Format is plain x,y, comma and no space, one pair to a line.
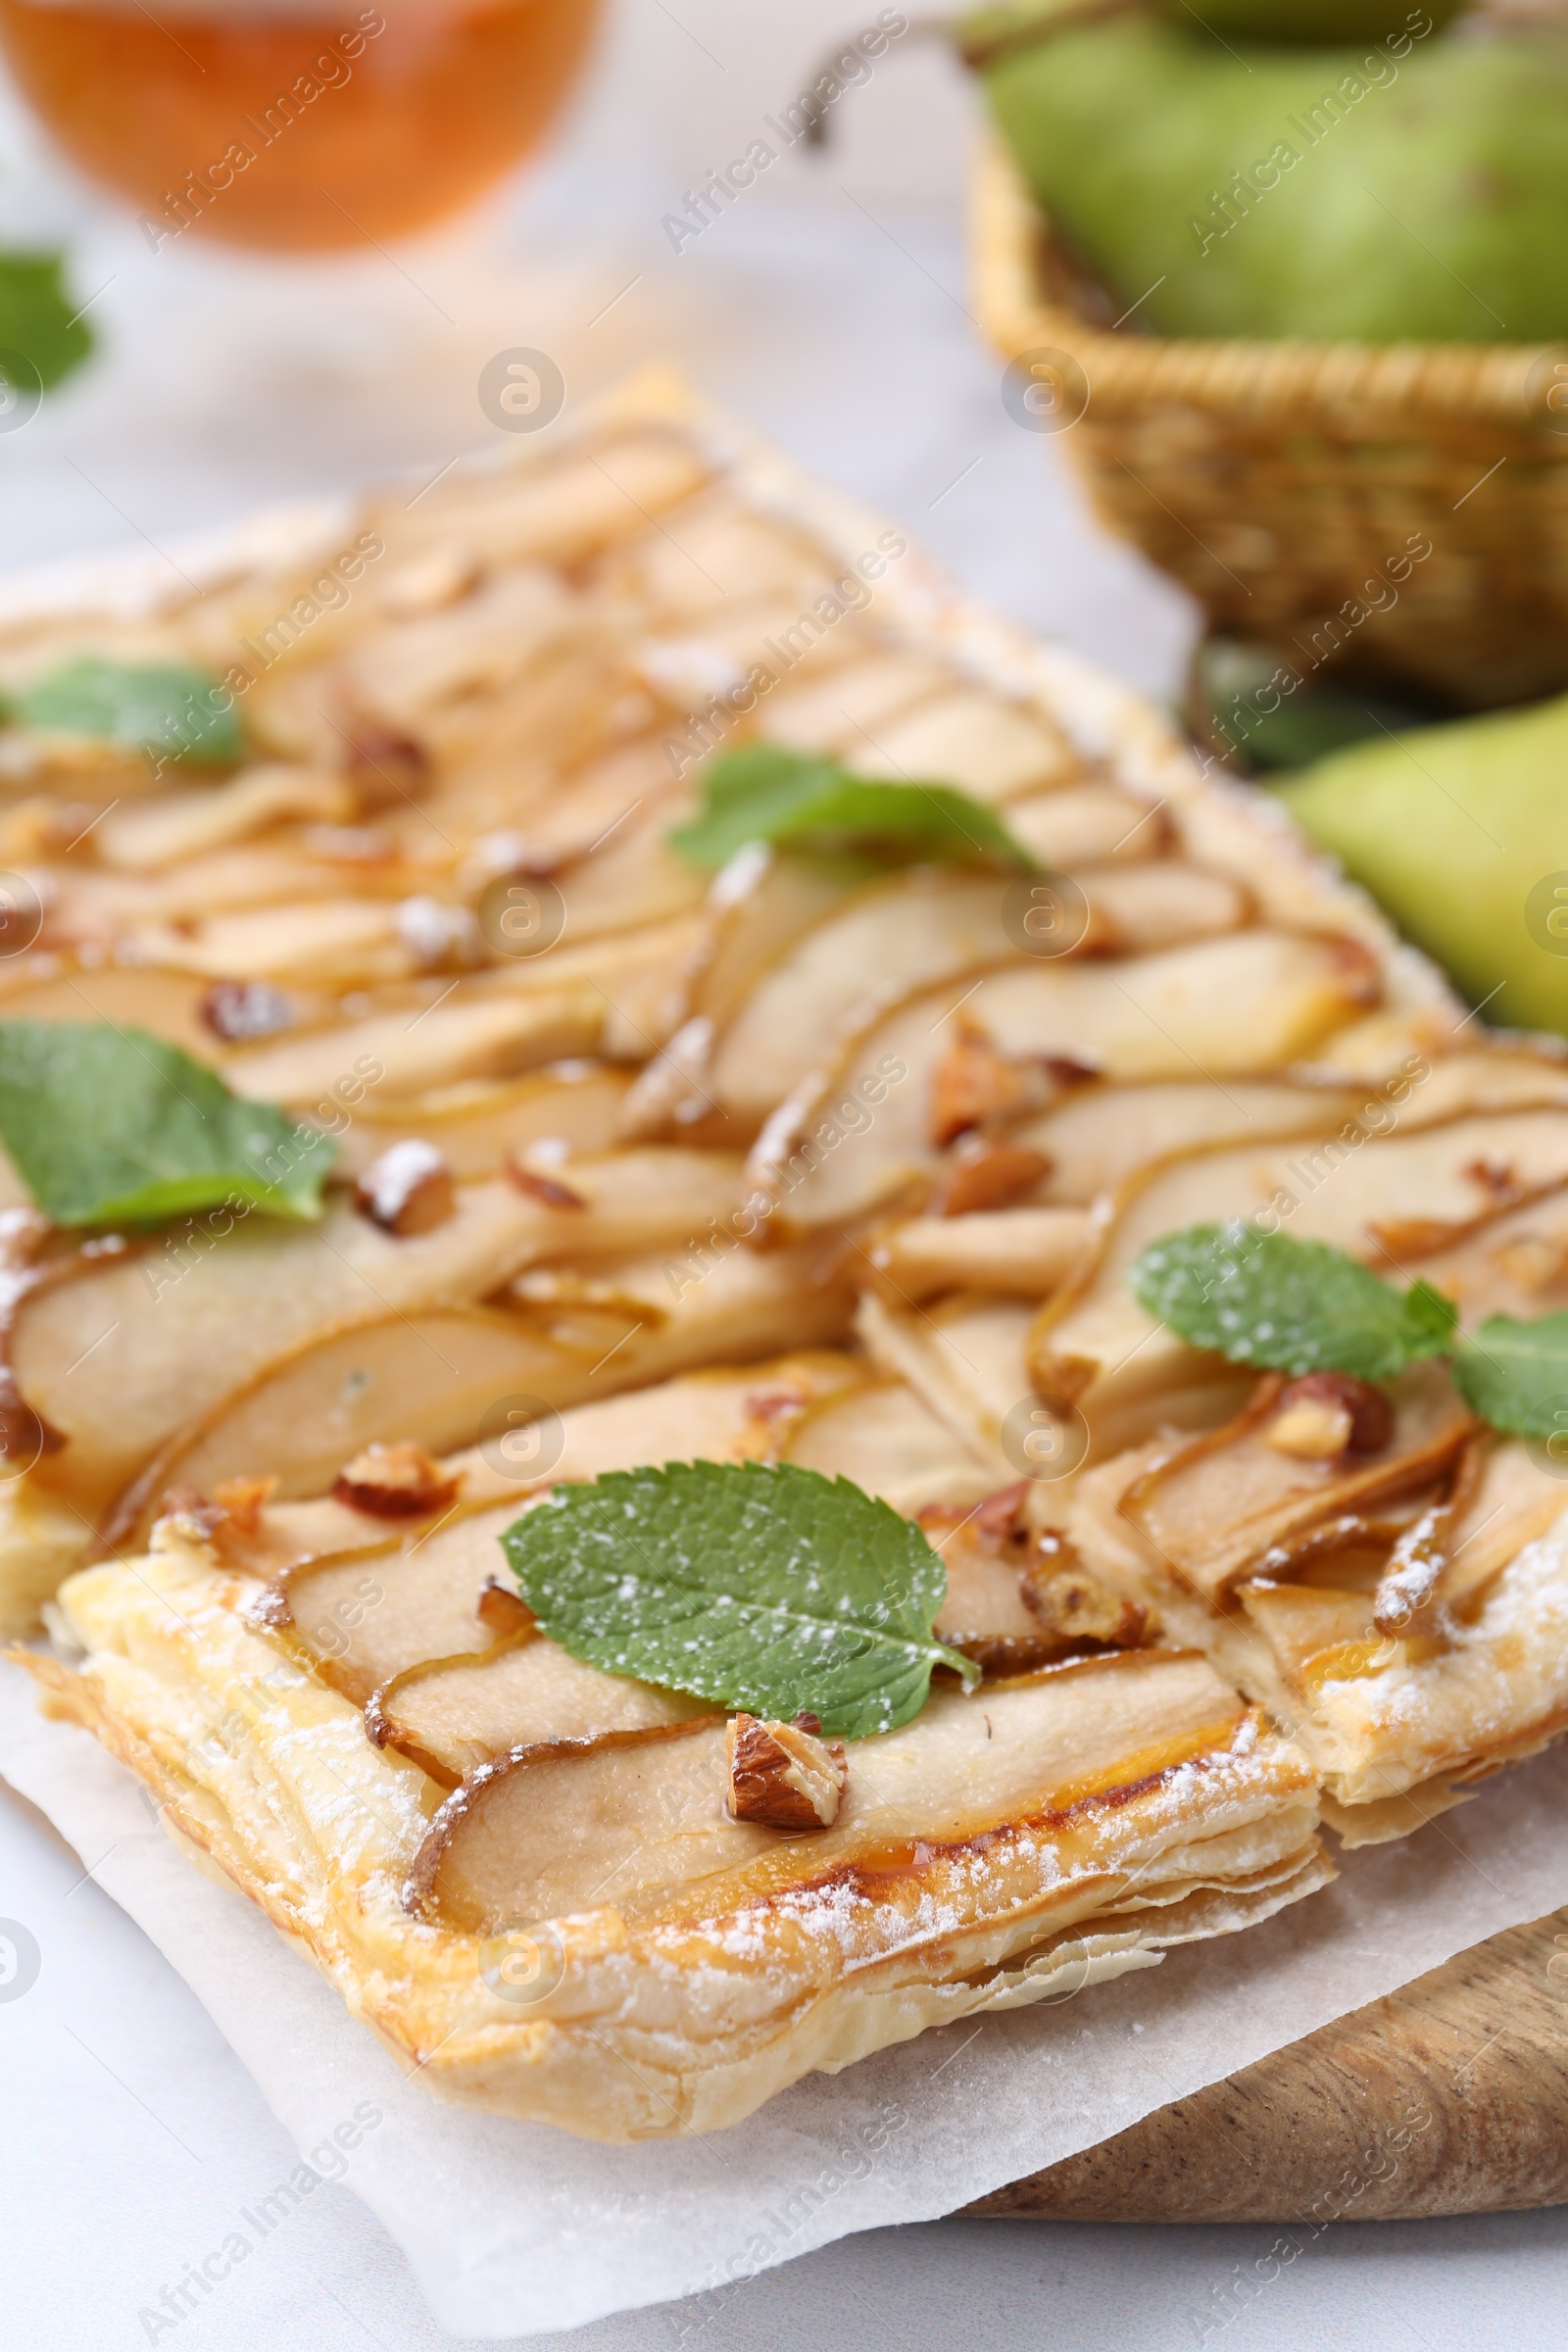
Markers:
1515,1375
42,334
798,801
1433,1320
112,1127
1286,1305
162,708
768,1587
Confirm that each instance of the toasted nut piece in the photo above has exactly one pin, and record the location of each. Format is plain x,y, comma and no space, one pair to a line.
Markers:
395,1481
227,1520
1325,1414
1065,1595
501,1608
409,1190
191,1515
990,1176
243,1500
782,1775
439,937
975,1086
384,764
539,1187
240,1010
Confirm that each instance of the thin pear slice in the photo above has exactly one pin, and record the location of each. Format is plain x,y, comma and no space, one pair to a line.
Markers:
833,715
888,1440
431,1376
645,1197
1089,824
1096,1348
551,513
1522,1492
966,1362
167,1004
477,1125
998,751
451,1715
326,943
636,1319
423,1600
765,902
1302,1624
717,550
1215,1506
631,882
903,935
759,907
638,1820
361,1620
848,1144
1138,910
449,1043
1025,1252
1102,1135
428,1377
896,937
121,1359
177,825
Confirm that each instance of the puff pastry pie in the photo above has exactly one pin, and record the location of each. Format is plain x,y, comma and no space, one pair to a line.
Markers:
811,1163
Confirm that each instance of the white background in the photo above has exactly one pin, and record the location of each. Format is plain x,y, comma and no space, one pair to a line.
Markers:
829,309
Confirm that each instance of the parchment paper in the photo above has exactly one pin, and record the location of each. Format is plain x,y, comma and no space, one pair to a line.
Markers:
516,2228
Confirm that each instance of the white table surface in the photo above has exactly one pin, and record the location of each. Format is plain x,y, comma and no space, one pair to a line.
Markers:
828,309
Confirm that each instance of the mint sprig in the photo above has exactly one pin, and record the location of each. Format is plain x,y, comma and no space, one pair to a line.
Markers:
1292,1307
763,1586
1515,1375
114,1127
1286,1305
799,800
160,709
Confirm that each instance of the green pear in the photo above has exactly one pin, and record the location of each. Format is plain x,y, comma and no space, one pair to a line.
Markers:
1461,834
1413,189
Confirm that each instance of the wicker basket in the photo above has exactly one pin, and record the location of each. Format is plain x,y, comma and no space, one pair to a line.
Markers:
1277,480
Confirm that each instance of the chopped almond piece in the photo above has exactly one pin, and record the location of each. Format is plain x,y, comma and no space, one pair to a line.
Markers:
409,1190
1074,1603
974,1086
191,1515
990,1176
384,763
242,1011
1325,1414
502,1610
783,1777
542,1187
243,1500
395,1481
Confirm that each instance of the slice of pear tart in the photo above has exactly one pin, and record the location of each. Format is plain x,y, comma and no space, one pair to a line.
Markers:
589,1058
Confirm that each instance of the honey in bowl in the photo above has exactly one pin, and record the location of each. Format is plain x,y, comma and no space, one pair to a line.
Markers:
279,123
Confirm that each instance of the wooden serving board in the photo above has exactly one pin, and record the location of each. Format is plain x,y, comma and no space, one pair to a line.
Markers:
1447,2096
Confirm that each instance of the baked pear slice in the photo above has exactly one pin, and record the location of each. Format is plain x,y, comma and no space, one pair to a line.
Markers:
360,1601
1395,1200
639,1819
853,1139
